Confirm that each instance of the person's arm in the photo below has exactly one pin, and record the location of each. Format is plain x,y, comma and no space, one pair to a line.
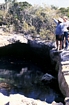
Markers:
56,21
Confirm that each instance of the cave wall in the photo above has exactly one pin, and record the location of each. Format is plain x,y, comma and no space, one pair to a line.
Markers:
39,54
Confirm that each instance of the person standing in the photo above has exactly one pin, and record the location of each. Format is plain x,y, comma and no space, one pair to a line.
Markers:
65,30
59,33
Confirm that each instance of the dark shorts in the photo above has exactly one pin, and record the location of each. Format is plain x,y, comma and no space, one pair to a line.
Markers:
59,37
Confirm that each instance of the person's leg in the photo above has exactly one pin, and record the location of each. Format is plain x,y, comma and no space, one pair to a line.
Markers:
61,43
66,43
66,39
57,41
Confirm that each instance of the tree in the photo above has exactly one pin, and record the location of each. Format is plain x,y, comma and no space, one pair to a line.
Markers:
8,3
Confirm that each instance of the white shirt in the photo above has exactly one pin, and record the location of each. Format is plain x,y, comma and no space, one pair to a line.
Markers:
65,25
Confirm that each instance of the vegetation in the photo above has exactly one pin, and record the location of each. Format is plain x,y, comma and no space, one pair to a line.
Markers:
30,19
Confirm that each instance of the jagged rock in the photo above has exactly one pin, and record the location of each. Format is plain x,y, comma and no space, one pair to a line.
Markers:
55,59
65,55
18,99
47,77
54,103
63,73
61,60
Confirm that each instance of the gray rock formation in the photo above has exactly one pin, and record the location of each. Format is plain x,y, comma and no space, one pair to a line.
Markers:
63,74
62,66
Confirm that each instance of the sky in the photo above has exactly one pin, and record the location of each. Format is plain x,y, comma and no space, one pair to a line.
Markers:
58,3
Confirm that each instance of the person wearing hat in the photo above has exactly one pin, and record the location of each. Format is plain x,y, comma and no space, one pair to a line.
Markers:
59,33
65,30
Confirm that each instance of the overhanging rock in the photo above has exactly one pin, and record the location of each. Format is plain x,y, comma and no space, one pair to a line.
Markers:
12,38
61,61
63,73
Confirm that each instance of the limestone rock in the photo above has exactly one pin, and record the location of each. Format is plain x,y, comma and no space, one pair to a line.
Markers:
11,38
17,99
54,103
3,99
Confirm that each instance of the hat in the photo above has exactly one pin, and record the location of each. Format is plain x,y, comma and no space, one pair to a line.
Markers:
60,19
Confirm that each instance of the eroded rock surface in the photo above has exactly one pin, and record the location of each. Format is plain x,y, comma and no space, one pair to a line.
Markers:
62,66
63,74
18,99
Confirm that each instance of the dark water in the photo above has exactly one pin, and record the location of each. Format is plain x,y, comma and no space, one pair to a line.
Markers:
20,76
